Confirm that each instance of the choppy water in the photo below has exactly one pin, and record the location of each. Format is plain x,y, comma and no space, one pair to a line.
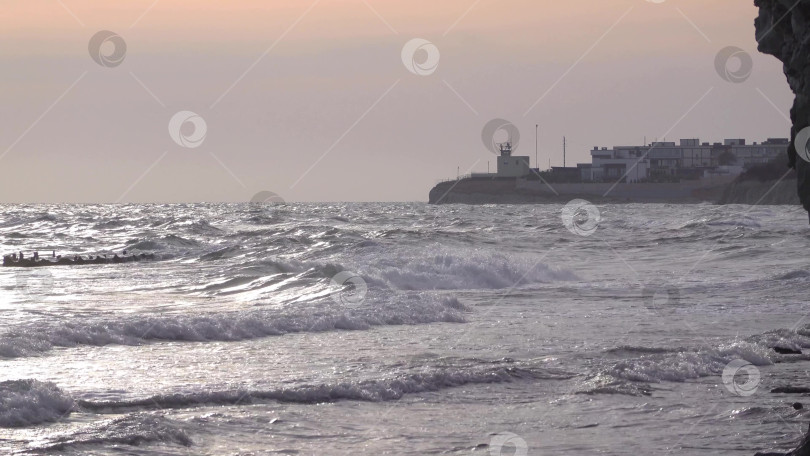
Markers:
468,330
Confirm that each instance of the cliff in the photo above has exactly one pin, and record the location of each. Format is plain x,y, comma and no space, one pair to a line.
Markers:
783,31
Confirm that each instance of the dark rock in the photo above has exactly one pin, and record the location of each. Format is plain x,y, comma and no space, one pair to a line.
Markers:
10,261
787,351
783,30
797,406
791,390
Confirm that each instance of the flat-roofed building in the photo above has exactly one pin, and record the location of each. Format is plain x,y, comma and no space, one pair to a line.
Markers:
689,159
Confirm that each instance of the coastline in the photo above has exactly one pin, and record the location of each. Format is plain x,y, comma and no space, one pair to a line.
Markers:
522,191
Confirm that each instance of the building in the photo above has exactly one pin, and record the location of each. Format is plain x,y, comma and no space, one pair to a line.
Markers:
620,162
512,166
508,165
671,162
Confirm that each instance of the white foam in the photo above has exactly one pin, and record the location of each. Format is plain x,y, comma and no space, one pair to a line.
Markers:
29,402
688,364
231,326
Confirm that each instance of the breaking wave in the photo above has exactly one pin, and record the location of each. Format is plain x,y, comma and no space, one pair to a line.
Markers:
652,365
377,390
135,429
31,402
233,326
464,272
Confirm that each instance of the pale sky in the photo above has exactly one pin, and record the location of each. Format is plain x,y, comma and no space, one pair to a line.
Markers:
311,99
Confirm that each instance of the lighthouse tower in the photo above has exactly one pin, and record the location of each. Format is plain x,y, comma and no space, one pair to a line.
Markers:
511,166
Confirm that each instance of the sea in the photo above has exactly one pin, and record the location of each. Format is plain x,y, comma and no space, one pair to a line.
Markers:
406,329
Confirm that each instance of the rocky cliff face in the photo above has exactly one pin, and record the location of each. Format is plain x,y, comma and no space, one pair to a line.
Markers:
783,30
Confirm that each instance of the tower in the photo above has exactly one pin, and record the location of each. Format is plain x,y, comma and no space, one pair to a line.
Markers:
506,149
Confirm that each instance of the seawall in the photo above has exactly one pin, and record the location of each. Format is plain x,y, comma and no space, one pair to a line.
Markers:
522,191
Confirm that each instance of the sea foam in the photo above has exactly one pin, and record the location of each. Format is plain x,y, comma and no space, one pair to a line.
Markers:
29,402
226,326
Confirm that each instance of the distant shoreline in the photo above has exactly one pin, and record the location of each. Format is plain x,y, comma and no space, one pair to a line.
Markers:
522,191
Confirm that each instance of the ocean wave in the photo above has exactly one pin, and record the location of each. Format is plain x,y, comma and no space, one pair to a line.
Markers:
30,402
641,349
446,271
721,221
232,326
606,384
225,252
168,242
793,275
111,224
134,429
681,366
784,338
628,376
203,227
391,388
451,271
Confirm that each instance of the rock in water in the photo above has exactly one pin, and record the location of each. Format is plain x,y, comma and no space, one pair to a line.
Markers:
783,30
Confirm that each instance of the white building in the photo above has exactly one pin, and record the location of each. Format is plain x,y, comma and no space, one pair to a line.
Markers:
689,159
615,164
754,154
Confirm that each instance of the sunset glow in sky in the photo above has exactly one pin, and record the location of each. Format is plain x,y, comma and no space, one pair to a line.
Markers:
311,100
